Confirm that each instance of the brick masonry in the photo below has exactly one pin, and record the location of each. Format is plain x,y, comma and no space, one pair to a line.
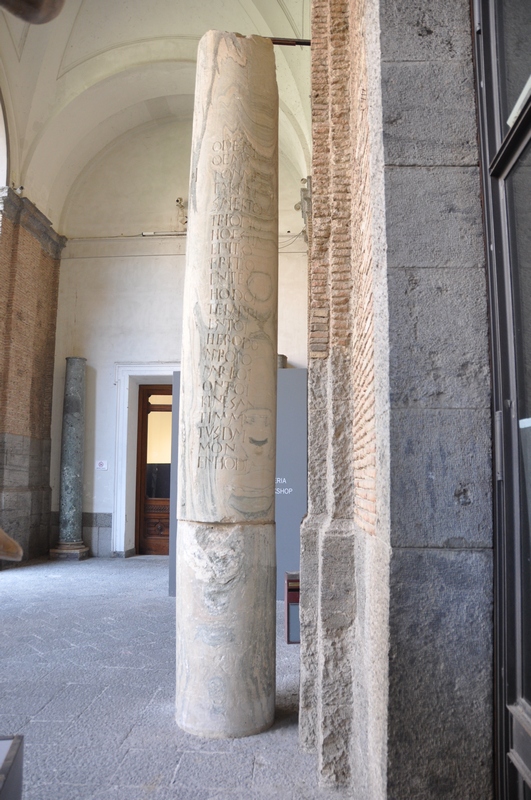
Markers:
343,544
397,545
29,275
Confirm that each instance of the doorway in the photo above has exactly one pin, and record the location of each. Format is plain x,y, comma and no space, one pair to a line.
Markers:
152,535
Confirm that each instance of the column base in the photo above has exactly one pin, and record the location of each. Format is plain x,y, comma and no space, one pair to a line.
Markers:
226,613
76,551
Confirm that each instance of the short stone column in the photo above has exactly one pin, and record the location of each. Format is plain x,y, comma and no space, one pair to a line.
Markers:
226,537
72,445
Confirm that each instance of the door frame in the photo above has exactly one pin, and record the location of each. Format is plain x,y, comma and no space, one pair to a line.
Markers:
128,377
499,153
143,403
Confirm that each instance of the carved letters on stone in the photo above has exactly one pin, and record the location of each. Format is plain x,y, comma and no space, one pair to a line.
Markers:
229,467
225,573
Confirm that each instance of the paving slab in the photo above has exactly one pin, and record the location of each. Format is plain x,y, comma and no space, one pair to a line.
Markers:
87,666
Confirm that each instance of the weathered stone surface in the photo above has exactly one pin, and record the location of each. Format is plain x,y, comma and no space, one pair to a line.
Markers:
226,577
309,610
343,695
441,475
433,217
369,660
440,695
15,516
343,710
317,435
337,607
14,460
228,410
72,448
428,227
439,358
25,492
341,457
39,462
97,534
418,129
225,628
424,30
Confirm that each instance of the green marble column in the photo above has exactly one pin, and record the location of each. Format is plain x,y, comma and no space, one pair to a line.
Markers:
72,448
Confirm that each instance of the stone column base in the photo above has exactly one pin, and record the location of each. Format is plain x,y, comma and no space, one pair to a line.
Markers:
226,614
73,552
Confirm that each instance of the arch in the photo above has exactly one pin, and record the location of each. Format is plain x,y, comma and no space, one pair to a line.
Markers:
4,145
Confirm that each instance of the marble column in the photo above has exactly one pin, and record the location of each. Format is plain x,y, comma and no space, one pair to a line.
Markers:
72,445
226,537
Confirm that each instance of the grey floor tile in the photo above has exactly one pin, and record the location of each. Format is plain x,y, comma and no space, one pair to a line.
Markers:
140,769
215,770
184,793
69,702
12,723
27,699
273,768
128,793
83,766
56,791
88,678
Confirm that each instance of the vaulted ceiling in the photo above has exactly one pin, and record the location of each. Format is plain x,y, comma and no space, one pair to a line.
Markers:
98,106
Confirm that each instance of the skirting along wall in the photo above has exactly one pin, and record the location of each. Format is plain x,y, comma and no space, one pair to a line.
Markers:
29,274
396,588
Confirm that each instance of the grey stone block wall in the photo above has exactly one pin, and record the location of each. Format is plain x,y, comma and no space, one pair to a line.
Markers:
97,530
441,478
440,709
441,586
25,493
396,672
97,533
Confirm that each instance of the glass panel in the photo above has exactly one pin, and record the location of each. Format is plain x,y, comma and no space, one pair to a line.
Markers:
159,437
515,51
519,206
158,453
294,623
158,480
160,399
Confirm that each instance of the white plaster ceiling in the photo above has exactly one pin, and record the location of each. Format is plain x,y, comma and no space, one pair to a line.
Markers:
104,76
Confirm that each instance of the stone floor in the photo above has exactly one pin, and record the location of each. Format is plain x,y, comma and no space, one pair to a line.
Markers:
87,676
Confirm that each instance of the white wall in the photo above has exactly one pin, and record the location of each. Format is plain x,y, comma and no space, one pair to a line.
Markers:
120,300
120,294
132,185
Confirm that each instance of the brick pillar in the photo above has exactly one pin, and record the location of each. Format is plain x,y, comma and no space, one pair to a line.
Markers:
396,586
29,275
344,539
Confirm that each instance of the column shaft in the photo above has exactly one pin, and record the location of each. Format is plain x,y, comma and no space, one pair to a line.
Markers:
226,539
72,449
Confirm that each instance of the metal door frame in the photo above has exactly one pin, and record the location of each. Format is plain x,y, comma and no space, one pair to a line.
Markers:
498,156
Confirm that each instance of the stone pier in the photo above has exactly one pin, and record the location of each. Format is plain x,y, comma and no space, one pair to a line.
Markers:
226,539
72,446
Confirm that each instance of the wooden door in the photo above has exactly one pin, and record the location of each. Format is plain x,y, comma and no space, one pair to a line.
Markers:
153,470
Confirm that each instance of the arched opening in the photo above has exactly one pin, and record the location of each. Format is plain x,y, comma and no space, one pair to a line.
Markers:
4,147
